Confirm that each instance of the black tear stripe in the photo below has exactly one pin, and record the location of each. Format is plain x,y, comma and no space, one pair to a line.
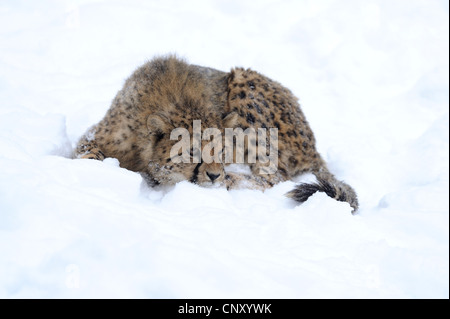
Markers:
195,174
158,137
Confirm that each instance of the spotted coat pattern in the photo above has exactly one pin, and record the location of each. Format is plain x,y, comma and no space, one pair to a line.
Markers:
167,93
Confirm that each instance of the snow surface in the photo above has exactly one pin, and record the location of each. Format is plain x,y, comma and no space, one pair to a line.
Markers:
373,81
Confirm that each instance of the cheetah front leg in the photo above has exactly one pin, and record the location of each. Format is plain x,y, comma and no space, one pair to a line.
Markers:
249,181
273,175
261,176
87,148
256,180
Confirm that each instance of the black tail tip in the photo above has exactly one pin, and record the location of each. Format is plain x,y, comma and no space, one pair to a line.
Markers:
339,191
302,192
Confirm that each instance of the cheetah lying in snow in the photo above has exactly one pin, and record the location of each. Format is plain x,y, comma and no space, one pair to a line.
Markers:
167,93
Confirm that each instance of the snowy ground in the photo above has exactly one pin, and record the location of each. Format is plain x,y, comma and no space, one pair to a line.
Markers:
373,81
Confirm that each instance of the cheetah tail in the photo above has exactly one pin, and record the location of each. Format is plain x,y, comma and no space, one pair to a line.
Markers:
327,183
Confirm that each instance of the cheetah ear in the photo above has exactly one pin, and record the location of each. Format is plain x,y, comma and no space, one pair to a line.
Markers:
156,124
231,120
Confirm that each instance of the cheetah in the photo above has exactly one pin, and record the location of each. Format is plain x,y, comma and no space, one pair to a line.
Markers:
168,93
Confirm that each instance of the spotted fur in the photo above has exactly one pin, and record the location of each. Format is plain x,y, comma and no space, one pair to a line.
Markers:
167,93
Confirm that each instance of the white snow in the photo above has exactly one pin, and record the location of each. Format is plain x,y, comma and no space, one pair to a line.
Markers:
373,80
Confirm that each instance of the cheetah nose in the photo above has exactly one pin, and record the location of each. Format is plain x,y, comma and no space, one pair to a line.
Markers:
212,177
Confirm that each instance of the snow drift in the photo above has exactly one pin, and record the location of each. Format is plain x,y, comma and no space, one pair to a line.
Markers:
372,78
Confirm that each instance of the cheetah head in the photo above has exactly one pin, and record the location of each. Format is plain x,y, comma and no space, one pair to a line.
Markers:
165,171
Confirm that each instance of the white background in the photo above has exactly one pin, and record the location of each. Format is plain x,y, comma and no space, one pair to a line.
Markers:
373,81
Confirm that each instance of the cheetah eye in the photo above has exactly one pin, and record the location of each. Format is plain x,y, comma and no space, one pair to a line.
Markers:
195,155
159,136
193,152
